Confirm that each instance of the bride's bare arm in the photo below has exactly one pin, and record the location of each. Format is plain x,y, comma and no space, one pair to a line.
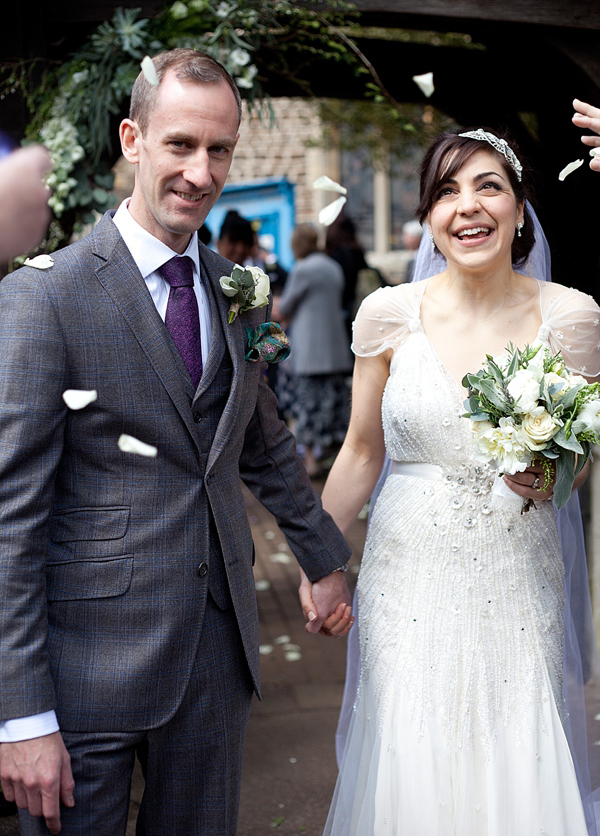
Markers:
355,472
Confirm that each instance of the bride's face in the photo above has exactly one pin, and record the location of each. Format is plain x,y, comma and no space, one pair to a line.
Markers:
474,215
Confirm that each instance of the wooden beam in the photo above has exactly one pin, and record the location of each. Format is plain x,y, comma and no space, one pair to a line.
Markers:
579,14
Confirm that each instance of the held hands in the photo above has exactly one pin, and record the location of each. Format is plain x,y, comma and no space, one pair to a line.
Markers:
588,117
326,604
36,774
530,483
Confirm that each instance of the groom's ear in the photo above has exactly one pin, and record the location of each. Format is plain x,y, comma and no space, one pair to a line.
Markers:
129,134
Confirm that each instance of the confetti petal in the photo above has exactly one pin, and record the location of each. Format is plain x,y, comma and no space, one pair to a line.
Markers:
262,586
325,183
129,444
78,398
328,215
293,760
292,647
282,640
292,656
597,717
269,535
42,262
265,649
569,169
425,83
280,557
594,152
149,71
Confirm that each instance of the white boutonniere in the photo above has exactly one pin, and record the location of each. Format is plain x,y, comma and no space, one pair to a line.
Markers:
247,287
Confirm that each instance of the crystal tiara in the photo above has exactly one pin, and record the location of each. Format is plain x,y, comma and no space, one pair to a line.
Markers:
500,145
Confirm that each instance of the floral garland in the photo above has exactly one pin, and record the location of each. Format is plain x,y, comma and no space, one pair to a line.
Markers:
75,106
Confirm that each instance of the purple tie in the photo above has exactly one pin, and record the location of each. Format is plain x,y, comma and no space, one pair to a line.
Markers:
182,318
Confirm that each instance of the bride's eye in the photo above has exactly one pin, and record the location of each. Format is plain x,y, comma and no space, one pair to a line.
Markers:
444,192
490,185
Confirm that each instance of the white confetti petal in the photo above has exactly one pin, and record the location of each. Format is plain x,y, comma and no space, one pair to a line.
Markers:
596,742
594,152
355,569
569,169
42,262
269,535
78,398
280,557
327,184
282,640
262,586
292,656
129,444
149,71
265,649
293,760
328,215
425,83
292,647
597,717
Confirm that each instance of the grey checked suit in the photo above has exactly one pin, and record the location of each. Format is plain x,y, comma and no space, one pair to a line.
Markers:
106,557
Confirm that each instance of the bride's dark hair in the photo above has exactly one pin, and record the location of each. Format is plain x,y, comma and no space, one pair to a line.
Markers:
447,155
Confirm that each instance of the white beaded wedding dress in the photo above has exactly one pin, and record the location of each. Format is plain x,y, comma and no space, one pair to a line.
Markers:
457,726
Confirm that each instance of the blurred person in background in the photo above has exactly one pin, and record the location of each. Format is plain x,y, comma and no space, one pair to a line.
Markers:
412,232
342,245
320,360
236,238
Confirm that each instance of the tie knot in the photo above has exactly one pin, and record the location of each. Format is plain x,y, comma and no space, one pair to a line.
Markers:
178,271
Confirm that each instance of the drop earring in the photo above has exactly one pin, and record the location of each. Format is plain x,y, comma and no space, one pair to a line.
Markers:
432,241
519,228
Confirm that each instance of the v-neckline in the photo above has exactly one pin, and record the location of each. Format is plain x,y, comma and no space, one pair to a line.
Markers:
446,371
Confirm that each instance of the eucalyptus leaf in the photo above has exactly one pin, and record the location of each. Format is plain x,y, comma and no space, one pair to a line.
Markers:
570,443
489,390
565,476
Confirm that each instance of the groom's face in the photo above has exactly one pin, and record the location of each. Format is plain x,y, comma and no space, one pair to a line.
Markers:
182,159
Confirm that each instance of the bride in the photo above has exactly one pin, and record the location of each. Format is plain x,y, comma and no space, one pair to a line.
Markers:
459,725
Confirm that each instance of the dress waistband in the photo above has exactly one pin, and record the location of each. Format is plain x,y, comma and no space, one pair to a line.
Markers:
422,470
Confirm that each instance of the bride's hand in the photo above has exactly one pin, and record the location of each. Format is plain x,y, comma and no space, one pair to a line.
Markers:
530,484
337,623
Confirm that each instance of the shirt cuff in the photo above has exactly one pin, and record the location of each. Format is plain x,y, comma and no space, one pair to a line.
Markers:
26,728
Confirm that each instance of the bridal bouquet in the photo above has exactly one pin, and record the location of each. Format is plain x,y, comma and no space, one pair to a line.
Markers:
527,407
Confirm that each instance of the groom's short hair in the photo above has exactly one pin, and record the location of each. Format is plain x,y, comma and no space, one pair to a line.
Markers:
188,65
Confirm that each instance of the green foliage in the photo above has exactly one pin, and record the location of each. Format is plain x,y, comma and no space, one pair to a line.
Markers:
74,108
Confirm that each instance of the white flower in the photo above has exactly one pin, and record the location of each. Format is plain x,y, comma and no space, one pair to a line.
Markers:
179,10
262,287
79,398
588,418
502,360
504,447
239,57
327,184
425,83
524,388
560,384
569,169
129,444
480,427
538,427
149,71
328,215
42,262
246,81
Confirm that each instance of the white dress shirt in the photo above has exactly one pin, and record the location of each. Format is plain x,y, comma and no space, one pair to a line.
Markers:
149,254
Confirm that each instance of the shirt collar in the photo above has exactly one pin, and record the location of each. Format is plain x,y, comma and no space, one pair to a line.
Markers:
147,251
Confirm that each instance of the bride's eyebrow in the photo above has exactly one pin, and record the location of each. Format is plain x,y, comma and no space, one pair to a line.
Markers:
487,174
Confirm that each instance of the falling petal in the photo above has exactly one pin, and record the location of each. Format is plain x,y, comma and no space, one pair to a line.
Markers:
355,569
569,169
594,152
129,444
596,742
269,535
328,215
597,717
265,649
293,760
280,557
149,71
292,647
425,83
292,656
327,184
78,398
282,640
282,547
262,586
42,262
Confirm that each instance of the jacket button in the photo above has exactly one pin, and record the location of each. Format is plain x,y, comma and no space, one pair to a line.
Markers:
203,570
197,416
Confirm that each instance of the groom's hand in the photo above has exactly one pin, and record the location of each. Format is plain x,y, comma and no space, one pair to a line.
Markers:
326,604
36,774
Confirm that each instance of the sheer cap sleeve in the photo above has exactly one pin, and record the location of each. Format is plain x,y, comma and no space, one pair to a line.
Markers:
386,318
571,325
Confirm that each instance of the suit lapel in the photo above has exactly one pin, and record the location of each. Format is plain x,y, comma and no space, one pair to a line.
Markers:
124,284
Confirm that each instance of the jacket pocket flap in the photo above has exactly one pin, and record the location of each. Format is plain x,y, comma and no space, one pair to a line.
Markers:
109,523
88,579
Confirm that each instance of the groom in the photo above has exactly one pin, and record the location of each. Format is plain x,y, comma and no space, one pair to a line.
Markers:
128,620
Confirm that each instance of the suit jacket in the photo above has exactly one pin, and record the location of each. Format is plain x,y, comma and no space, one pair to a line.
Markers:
103,554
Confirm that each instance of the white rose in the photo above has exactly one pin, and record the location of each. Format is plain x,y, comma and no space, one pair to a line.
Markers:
480,427
536,364
504,447
538,428
262,287
556,380
589,418
524,388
